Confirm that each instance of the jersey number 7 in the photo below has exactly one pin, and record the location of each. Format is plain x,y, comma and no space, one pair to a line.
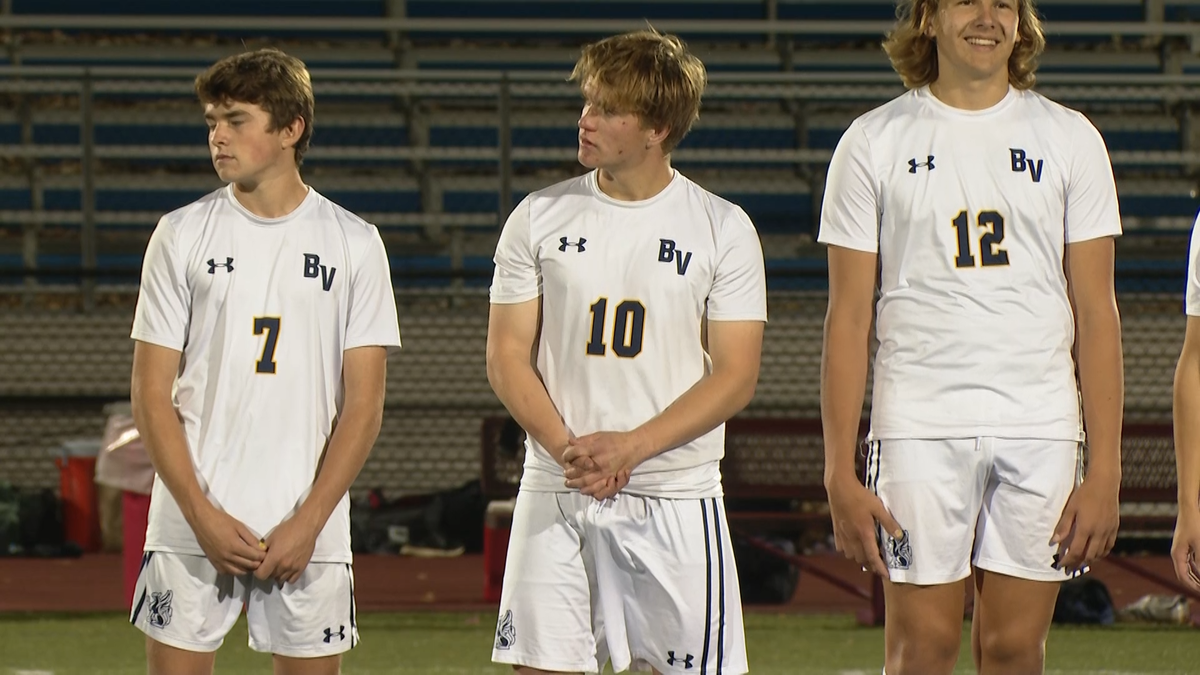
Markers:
269,325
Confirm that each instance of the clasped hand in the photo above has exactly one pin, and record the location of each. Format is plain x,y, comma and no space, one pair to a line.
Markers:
599,465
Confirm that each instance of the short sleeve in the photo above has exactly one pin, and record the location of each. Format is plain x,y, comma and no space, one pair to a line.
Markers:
850,209
1091,204
1192,302
164,300
517,277
739,291
371,317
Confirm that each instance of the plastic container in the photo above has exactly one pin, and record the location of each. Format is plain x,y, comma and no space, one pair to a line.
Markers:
76,461
135,513
497,526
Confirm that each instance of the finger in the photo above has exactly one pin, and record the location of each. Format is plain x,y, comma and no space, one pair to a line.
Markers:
266,569
1065,522
595,486
1181,561
572,472
1075,553
885,518
872,556
256,546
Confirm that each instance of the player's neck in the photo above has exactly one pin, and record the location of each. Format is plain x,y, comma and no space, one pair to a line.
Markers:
969,94
272,196
636,183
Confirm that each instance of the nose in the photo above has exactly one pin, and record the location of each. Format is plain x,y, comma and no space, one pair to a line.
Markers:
586,117
218,135
987,13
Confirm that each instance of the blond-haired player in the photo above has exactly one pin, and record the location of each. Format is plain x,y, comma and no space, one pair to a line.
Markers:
626,327
262,327
986,215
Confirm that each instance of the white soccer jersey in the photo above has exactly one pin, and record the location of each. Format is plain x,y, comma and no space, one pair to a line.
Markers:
262,310
1192,299
970,213
625,287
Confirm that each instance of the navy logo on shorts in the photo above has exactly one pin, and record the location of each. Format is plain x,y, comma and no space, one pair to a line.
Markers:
330,633
897,552
506,635
160,609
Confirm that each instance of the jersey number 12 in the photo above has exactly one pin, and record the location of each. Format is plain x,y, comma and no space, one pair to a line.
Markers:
990,253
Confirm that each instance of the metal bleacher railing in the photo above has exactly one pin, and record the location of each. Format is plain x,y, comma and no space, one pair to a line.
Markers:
432,127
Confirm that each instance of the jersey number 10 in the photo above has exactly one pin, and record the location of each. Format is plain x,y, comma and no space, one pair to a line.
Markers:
990,253
629,324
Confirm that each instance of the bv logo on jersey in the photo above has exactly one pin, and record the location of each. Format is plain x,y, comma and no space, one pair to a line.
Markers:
668,254
313,268
213,265
1020,163
160,609
506,635
913,164
563,243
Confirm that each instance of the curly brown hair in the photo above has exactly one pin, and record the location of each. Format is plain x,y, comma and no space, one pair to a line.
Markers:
914,53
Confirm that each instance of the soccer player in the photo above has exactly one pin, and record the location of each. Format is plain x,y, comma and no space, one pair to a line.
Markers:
626,327
1187,434
984,215
261,329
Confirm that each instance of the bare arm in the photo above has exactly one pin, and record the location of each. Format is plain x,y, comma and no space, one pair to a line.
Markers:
853,509
736,351
844,357
364,374
1187,421
227,543
1098,352
154,371
1087,529
511,357
291,544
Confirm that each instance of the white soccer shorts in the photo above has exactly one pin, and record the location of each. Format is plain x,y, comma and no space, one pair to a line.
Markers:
643,581
182,601
987,502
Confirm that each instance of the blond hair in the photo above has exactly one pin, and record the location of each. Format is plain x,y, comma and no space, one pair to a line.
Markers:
646,73
914,53
275,81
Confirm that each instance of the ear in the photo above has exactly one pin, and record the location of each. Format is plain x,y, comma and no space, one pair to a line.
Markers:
290,134
657,136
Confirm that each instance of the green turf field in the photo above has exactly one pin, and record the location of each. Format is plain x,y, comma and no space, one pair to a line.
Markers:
460,644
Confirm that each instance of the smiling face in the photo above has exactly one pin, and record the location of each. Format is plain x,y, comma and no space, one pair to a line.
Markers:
975,38
243,147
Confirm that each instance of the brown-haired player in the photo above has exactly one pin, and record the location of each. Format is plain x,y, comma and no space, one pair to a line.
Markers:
262,327
626,327
983,215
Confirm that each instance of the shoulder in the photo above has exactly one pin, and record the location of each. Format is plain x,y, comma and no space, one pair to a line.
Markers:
570,190
350,224
898,111
197,213
1040,109
725,217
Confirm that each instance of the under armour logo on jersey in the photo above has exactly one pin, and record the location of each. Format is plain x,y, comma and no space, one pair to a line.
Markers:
563,244
506,634
313,266
913,164
668,254
330,632
686,660
213,265
1020,163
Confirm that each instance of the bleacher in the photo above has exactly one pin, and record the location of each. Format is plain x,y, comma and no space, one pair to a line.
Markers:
433,132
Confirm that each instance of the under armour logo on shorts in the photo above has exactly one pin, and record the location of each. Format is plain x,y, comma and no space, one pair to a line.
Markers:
897,552
506,635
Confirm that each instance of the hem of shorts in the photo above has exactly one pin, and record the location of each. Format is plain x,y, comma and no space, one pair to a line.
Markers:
509,658
1006,569
915,580
202,648
303,652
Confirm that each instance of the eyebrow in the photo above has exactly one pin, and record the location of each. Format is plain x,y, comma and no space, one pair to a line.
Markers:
236,112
